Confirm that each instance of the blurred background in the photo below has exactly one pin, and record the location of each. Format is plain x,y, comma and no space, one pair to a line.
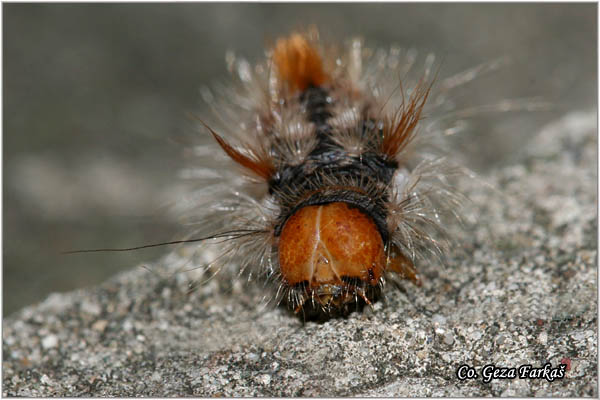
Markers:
96,96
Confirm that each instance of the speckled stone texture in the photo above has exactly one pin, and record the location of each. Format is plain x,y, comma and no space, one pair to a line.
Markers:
523,290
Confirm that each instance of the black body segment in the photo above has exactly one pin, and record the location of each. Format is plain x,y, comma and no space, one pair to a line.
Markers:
369,173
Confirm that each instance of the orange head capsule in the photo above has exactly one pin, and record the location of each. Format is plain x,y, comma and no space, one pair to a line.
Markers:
332,250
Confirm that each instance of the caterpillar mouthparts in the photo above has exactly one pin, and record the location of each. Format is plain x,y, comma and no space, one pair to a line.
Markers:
337,195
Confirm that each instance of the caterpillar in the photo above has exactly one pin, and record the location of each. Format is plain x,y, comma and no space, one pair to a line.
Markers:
337,185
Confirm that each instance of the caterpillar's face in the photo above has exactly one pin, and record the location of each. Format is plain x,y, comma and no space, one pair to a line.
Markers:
331,251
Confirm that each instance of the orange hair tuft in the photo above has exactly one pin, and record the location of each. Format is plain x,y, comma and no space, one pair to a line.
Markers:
298,63
400,128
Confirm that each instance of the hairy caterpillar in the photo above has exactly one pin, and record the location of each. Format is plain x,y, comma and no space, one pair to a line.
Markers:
344,181
338,190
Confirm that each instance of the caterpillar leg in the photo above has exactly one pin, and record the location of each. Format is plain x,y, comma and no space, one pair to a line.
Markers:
403,266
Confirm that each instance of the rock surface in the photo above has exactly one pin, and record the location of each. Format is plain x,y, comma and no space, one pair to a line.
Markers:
522,291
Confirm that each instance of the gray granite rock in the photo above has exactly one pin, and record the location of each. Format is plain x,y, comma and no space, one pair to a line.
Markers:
523,290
